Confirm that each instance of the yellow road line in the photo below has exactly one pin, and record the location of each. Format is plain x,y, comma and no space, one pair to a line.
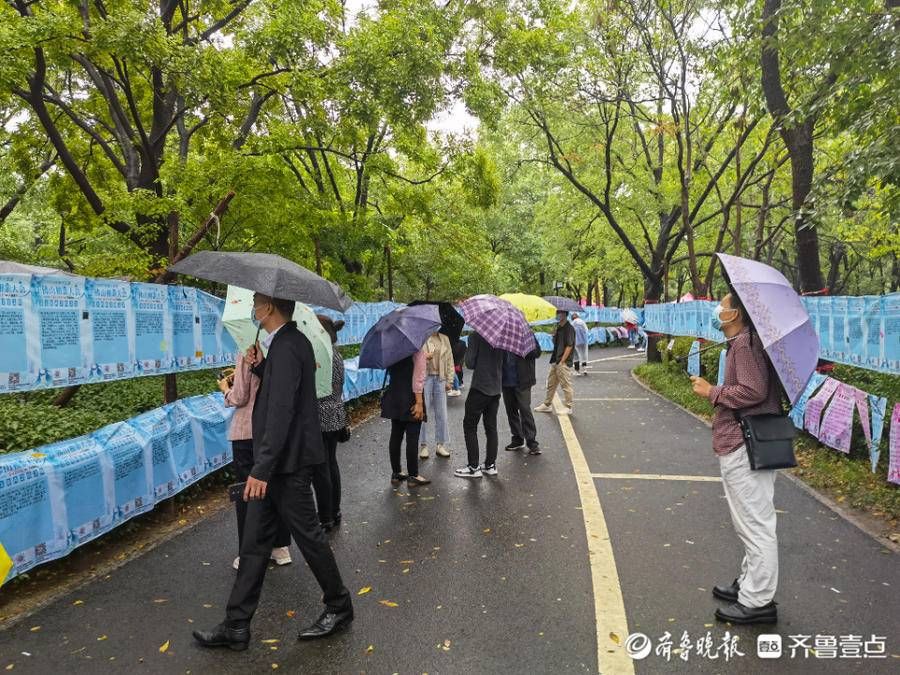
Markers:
657,476
609,608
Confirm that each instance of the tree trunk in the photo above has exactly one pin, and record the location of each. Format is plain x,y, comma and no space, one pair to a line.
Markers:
390,272
170,387
318,246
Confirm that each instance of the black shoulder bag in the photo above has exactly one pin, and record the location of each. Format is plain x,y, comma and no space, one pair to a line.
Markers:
769,439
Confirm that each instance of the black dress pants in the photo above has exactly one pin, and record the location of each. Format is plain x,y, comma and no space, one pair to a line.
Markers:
478,405
243,465
288,496
327,480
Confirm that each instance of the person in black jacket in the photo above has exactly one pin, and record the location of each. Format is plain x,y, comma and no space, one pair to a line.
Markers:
287,450
482,403
518,379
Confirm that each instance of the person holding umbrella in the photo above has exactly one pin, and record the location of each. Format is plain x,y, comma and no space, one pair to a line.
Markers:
334,422
772,350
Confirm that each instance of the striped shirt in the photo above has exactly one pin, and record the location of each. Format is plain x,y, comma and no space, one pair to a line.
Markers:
748,388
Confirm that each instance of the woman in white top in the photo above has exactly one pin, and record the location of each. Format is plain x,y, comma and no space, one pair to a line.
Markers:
438,381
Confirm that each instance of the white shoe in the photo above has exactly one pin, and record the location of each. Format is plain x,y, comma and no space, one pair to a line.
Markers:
423,452
631,347
237,563
468,472
543,407
281,556
442,451
565,411
453,393
490,470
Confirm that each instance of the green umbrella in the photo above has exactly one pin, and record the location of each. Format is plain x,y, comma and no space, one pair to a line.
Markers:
238,322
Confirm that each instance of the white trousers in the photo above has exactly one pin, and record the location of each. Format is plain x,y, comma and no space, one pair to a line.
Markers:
750,497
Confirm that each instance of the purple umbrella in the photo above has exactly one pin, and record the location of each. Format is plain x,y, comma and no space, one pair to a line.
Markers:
565,304
780,318
499,323
398,334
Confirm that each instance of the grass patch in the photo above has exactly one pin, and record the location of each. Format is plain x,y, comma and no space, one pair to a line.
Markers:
848,479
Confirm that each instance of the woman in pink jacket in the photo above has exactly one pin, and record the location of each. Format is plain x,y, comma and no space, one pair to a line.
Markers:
240,394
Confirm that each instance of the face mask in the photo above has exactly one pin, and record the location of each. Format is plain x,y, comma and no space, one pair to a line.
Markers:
717,321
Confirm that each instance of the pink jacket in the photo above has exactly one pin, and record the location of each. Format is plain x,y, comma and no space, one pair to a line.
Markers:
241,397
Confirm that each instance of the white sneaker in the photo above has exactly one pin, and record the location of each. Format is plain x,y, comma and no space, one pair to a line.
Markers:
468,472
490,470
423,452
543,407
442,451
565,411
237,563
631,347
281,556
453,393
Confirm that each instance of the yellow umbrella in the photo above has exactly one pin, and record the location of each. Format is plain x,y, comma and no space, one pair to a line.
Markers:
533,307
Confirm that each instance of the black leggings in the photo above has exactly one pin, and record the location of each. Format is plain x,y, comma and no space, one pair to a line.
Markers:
399,429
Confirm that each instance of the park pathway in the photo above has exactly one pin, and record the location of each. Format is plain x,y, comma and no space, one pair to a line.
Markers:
621,520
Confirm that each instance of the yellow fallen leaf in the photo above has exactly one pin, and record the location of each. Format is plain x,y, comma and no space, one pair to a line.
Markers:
274,666
159,601
78,602
290,613
207,605
615,638
101,638
388,603
407,562
370,649
406,571
35,629
486,530
364,590
270,641
164,647
11,666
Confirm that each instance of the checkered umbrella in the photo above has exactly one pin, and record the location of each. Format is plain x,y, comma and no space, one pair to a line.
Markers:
499,323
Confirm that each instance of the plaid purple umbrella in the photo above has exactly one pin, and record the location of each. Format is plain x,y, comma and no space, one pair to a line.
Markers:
499,323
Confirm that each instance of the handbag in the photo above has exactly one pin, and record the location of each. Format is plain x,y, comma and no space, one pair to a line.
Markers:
343,435
769,440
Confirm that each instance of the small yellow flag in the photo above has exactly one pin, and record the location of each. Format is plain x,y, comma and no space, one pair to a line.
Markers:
6,564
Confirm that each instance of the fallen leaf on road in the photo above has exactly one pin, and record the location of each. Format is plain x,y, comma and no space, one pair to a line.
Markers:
519,545
270,641
370,649
486,530
207,605
101,638
446,646
35,629
836,591
164,647
290,613
615,638
78,602
407,562
274,666
388,603
707,625
159,601
364,590
11,666
406,571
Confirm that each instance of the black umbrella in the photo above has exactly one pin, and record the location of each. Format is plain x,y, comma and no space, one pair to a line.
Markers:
451,321
565,304
265,273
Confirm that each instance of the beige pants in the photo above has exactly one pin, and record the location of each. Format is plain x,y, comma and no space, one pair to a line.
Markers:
750,500
560,374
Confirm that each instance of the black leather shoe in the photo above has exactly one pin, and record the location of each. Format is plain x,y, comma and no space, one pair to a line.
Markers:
727,593
327,624
327,525
514,445
337,518
222,636
739,614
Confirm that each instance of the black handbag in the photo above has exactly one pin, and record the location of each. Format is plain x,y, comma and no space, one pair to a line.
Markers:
769,440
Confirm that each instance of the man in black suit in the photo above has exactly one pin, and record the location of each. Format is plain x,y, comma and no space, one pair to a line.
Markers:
287,448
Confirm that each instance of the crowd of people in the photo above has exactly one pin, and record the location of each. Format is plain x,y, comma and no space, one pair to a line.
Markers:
285,442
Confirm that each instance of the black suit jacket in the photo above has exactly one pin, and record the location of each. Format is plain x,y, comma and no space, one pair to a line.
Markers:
286,432
525,367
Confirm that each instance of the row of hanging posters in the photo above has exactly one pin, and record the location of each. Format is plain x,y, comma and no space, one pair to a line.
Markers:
58,331
62,495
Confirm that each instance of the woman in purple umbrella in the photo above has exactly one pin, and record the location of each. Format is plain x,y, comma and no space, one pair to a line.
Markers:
750,388
403,403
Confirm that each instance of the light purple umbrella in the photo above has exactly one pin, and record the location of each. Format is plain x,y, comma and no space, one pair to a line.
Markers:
398,334
780,318
564,304
499,322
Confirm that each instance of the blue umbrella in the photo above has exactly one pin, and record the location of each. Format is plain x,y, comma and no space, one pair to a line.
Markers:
397,335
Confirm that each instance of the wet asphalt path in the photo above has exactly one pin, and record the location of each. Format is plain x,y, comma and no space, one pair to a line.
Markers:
492,576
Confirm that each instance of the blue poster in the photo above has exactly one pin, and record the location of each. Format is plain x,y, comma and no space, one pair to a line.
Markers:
826,346
185,326
210,418
154,427
693,364
189,464
87,483
109,308
878,406
722,356
890,307
856,328
132,462
839,340
19,356
798,412
874,323
59,307
152,328
32,514
216,343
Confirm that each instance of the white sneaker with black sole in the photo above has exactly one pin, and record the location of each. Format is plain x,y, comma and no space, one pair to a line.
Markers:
543,407
468,472
489,469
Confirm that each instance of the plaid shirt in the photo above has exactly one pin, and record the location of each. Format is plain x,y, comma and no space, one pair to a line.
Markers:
748,388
